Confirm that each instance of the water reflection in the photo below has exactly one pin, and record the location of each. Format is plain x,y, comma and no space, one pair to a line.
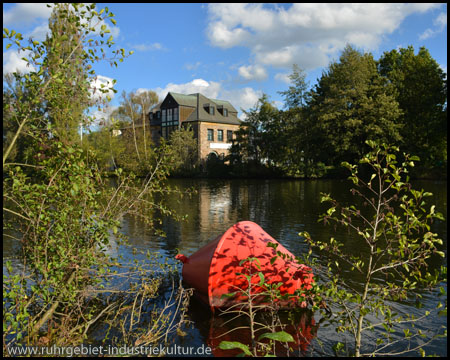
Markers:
282,208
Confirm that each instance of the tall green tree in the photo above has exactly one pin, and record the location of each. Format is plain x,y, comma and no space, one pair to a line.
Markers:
350,104
421,91
65,62
257,132
296,96
299,131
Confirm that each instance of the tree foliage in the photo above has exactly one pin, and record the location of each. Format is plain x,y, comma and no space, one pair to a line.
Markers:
65,63
15,97
183,151
421,91
394,265
350,104
400,99
259,127
137,149
62,212
297,95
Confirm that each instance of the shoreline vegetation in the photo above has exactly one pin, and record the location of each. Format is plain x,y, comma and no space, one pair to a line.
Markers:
65,217
331,173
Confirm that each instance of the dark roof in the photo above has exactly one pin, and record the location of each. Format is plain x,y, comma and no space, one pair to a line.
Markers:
202,112
185,100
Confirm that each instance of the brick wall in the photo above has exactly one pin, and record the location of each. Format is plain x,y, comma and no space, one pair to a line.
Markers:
216,146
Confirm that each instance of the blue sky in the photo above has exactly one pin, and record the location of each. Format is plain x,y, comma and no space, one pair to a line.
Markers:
236,52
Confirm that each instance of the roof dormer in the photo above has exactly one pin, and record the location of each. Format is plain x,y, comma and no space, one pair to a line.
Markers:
209,108
223,110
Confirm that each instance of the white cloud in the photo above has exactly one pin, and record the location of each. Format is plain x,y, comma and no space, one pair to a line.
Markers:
148,47
12,61
40,32
245,98
96,85
283,77
209,89
306,34
37,15
227,38
26,13
253,72
440,24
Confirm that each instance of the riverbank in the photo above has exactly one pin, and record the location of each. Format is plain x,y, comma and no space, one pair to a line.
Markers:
265,173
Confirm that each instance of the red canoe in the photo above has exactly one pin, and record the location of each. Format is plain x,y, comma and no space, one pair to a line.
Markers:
211,271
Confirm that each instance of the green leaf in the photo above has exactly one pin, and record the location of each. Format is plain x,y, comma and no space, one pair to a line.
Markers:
229,345
261,279
278,336
272,260
224,296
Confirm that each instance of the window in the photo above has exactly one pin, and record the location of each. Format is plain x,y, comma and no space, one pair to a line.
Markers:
164,115
169,115
175,114
225,112
229,135
219,135
210,135
211,110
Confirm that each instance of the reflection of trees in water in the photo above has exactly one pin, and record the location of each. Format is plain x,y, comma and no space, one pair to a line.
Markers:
300,325
282,208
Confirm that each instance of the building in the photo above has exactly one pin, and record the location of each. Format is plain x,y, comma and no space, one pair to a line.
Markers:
213,121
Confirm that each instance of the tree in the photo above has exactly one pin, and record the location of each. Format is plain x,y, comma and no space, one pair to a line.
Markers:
146,100
65,214
132,111
256,132
297,94
421,91
350,104
106,145
66,63
183,149
300,132
394,226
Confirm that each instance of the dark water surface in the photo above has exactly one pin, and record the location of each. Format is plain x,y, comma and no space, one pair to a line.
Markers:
283,208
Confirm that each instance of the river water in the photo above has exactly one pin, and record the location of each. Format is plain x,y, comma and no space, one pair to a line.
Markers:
283,208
